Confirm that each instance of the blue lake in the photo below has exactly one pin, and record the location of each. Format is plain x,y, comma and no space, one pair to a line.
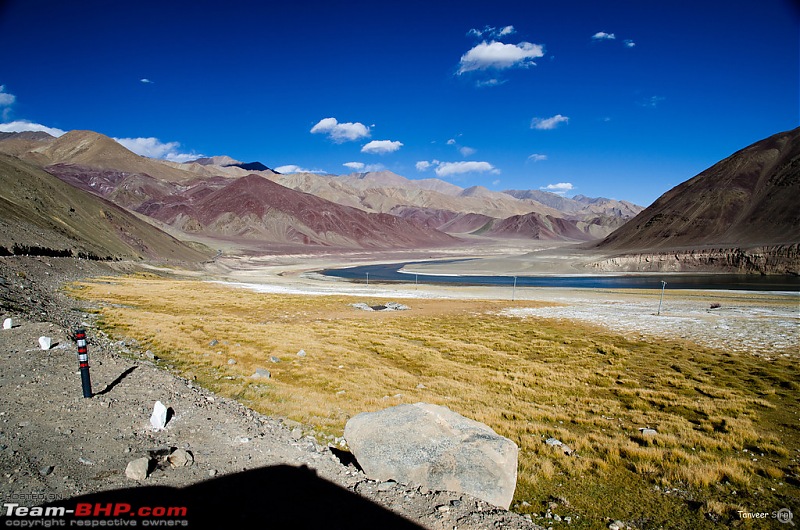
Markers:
745,282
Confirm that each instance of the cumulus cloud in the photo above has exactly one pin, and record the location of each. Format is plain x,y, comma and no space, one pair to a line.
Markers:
6,99
24,125
423,165
500,56
447,169
381,147
602,35
451,141
629,43
561,188
536,157
545,124
341,132
355,166
155,148
292,168
146,81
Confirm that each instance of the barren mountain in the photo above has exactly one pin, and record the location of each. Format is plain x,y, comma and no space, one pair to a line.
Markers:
747,200
39,214
16,144
254,207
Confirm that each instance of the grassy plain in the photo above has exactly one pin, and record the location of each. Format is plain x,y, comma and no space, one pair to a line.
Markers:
728,436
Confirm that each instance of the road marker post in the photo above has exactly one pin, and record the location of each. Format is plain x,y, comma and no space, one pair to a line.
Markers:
83,362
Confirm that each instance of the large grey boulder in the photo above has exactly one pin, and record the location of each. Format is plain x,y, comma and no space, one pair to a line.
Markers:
434,447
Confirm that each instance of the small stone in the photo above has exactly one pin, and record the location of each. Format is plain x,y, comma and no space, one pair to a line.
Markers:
8,323
386,486
261,373
301,353
231,361
212,472
213,343
45,343
137,469
421,386
297,433
274,359
647,432
616,525
443,508
46,470
159,417
150,355
180,458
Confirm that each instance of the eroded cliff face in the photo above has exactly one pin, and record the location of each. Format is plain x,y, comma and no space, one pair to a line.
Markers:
779,259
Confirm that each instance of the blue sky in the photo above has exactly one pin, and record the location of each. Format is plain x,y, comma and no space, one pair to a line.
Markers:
621,99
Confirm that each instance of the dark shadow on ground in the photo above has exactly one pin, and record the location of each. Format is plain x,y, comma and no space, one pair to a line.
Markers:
271,497
116,381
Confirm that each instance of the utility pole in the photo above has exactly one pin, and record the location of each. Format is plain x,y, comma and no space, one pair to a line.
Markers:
663,284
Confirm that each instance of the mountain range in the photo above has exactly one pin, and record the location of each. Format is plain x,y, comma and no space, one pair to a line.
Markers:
746,200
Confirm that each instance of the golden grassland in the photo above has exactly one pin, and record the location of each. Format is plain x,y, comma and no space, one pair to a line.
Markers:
728,436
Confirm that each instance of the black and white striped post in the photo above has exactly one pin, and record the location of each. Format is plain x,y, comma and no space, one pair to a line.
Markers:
83,361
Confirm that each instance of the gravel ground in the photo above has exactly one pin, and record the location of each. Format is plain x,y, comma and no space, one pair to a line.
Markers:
61,450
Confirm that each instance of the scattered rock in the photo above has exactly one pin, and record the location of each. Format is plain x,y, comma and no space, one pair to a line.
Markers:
45,343
46,470
434,447
159,417
560,446
647,432
8,323
617,525
274,359
261,373
213,343
212,472
180,458
231,361
137,469
301,353
362,306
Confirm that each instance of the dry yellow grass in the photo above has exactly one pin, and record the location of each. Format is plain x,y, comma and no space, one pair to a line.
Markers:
725,422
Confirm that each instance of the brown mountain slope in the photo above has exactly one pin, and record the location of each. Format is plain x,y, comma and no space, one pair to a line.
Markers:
254,207
95,150
39,210
749,199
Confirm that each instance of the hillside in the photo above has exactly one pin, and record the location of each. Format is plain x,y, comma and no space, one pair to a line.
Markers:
747,200
255,208
41,214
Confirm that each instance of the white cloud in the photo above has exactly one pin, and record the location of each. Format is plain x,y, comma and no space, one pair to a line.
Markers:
495,182
446,169
629,43
602,35
6,99
500,56
355,166
536,157
561,188
491,31
155,148
451,141
423,165
292,168
545,124
24,125
381,147
341,132
489,82
146,81
466,151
